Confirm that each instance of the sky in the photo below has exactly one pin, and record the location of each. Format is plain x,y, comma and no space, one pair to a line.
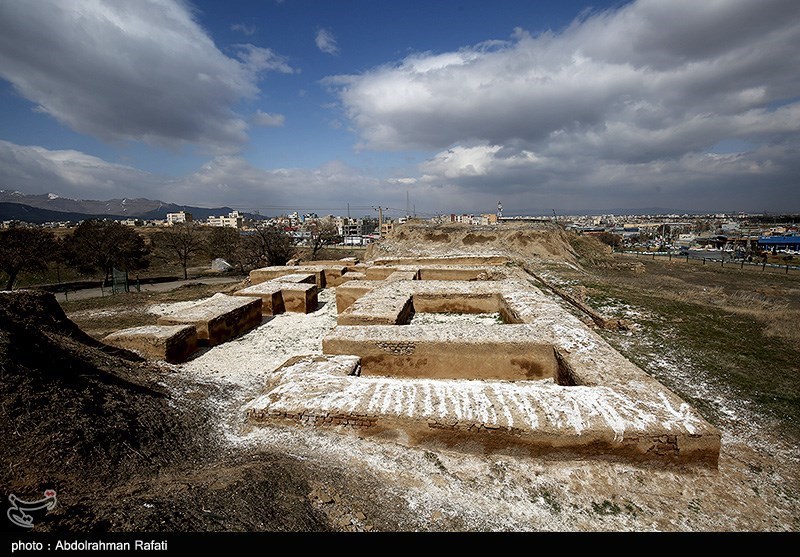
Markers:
434,106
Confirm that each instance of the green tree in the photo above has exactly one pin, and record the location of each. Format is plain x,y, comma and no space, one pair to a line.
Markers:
100,245
180,243
25,249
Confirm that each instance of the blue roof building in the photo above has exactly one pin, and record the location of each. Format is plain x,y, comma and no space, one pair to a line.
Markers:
780,242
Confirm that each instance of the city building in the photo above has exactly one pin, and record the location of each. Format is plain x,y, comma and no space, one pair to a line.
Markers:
233,220
179,217
780,243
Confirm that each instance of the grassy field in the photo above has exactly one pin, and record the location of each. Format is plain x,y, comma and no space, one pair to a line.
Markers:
725,339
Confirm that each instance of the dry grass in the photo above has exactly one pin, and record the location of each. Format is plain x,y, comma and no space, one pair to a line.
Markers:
103,315
772,299
732,331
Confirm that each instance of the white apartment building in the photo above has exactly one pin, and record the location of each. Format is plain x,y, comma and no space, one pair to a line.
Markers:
233,220
175,218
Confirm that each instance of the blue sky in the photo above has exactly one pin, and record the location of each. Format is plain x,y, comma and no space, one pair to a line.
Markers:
565,105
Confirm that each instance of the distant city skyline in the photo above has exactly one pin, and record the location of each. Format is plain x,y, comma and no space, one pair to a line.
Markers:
438,107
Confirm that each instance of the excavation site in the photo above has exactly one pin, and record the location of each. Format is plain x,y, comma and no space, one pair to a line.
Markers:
453,378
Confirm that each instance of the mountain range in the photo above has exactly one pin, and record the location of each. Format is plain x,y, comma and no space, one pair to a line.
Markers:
49,207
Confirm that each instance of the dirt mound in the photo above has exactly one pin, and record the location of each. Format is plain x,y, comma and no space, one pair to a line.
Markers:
519,241
69,403
98,425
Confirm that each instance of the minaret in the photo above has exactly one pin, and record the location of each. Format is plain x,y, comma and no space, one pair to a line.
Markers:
499,210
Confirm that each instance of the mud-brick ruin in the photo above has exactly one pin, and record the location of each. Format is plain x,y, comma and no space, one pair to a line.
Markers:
534,380
538,382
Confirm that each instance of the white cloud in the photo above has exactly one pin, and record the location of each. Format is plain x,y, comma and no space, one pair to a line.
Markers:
71,173
260,59
224,180
463,179
326,42
636,92
268,120
143,71
248,30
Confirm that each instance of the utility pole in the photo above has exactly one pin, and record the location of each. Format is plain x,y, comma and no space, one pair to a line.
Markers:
380,220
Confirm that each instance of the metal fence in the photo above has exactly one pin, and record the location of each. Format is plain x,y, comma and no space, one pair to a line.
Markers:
720,261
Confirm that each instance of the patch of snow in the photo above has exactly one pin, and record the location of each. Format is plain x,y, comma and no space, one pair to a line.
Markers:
95,313
249,359
456,319
175,307
484,492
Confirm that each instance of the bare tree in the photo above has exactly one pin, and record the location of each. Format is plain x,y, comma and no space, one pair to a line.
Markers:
266,244
226,243
179,242
25,249
98,245
322,233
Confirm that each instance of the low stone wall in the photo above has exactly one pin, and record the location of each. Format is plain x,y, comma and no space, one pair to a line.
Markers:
325,275
278,296
393,310
220,318
440,261
384,272
349,292
265,274
300,298
334,276
171,343
308,278
467,302
402,275
452,273
350,276
270,293
529,417
511,352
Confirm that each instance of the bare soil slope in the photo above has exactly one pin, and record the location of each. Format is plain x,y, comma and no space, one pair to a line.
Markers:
97,425
540,241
